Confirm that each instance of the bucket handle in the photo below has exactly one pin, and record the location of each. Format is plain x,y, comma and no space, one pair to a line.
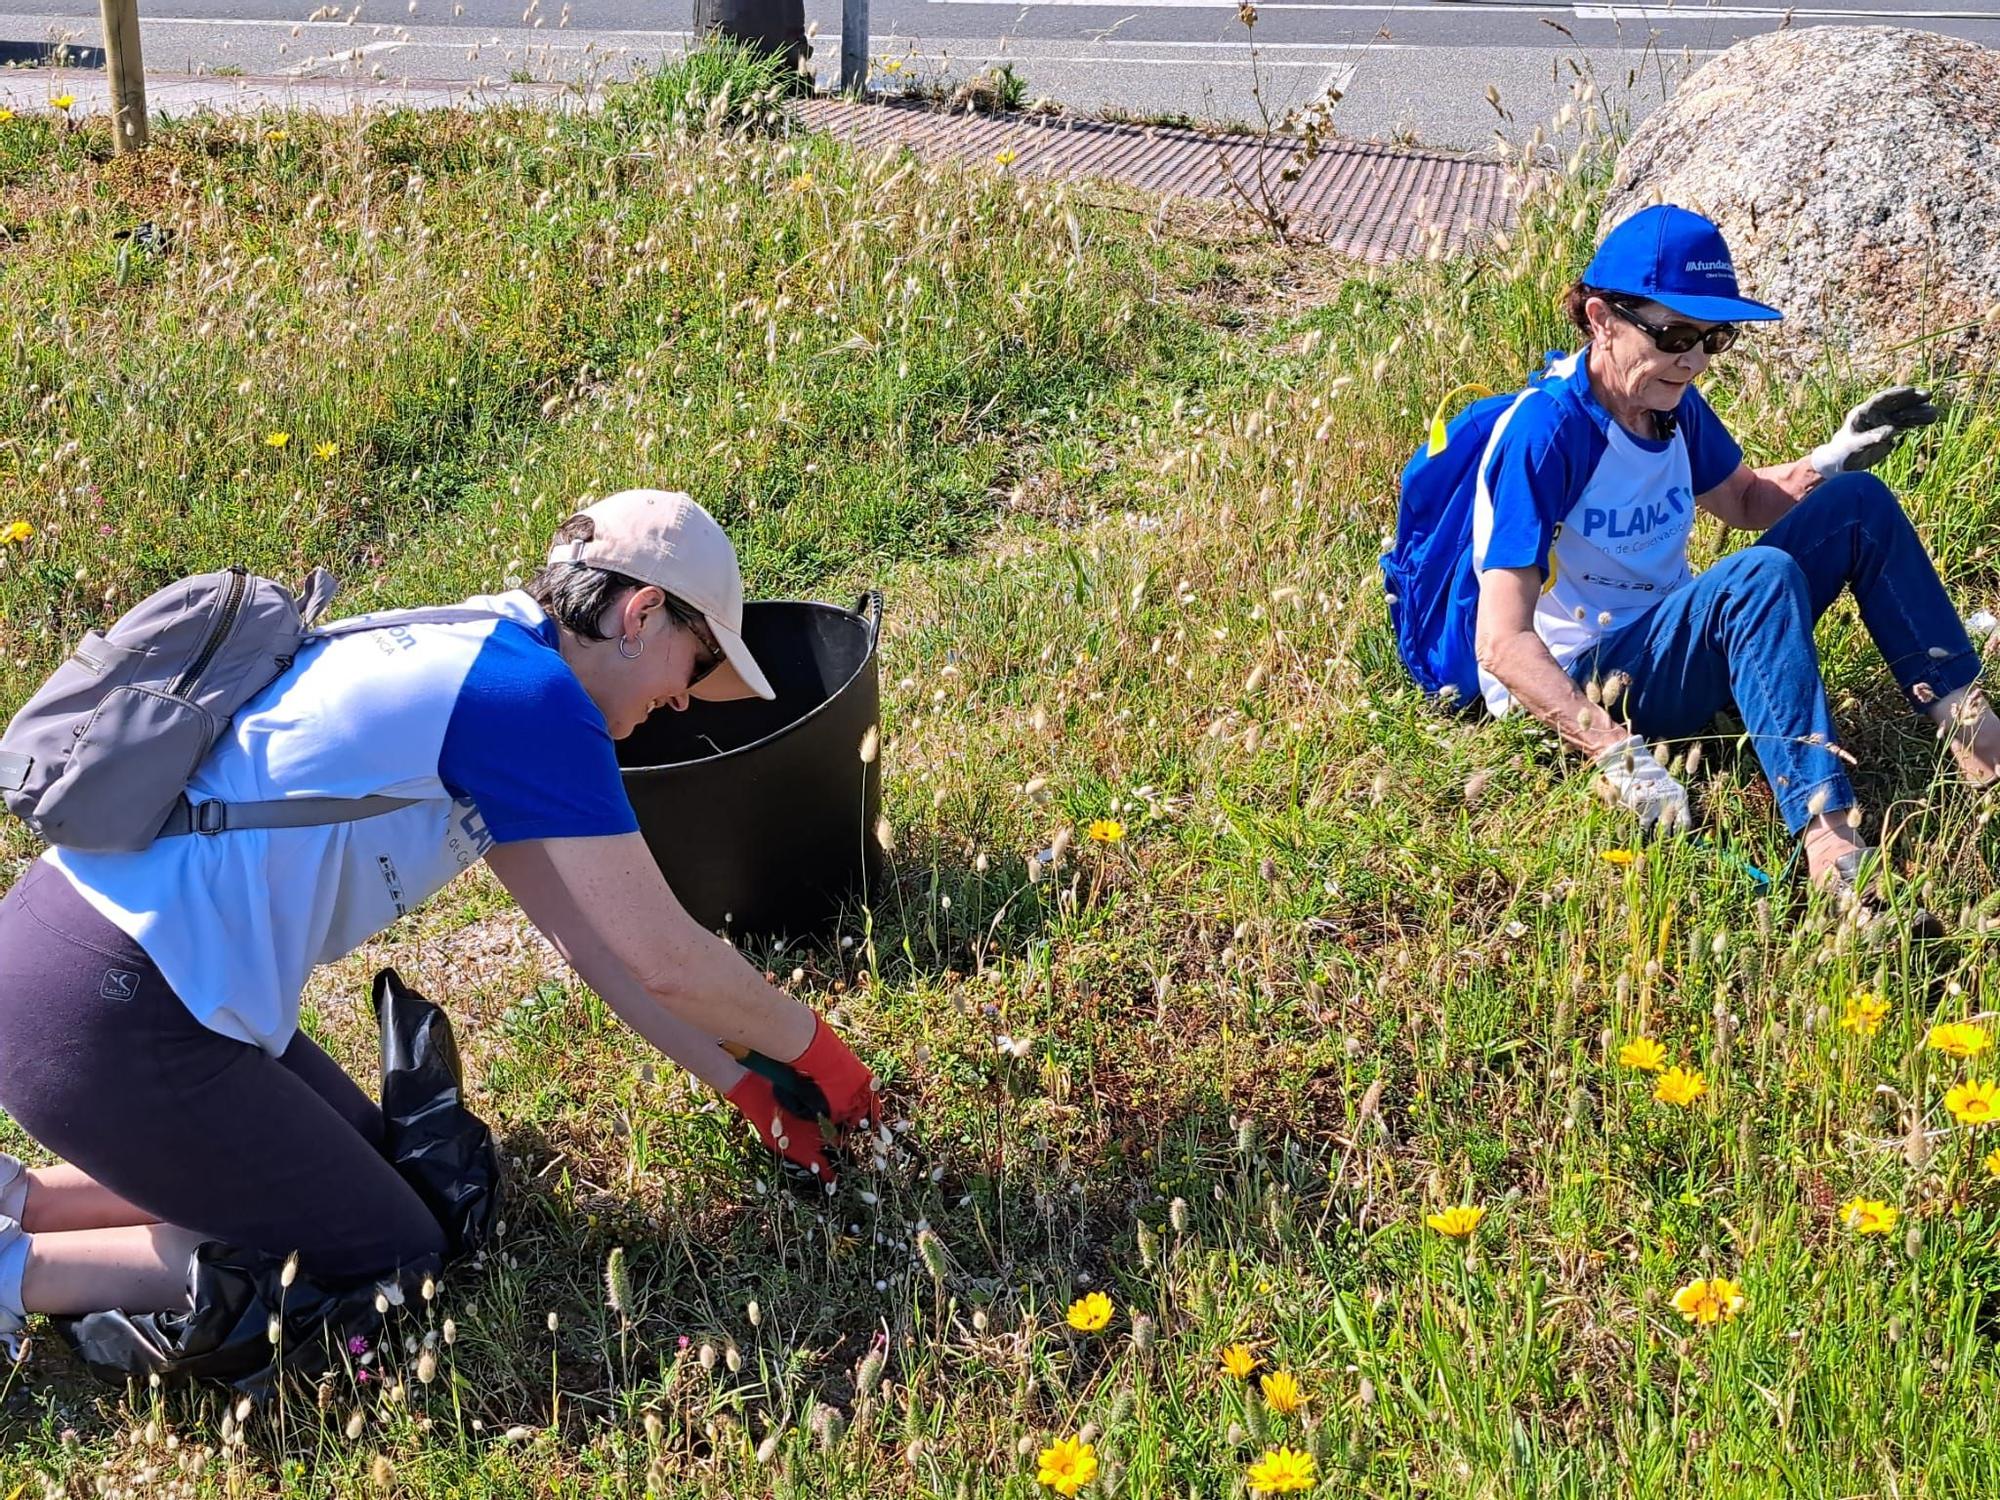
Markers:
869,607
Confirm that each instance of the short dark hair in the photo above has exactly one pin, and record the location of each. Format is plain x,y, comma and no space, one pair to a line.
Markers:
576,595
1580,293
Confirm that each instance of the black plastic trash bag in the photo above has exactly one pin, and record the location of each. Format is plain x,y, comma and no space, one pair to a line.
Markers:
444,1152
442,1149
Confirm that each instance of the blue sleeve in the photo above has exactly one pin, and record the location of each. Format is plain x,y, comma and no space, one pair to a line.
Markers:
1713,455
1532,474
530,749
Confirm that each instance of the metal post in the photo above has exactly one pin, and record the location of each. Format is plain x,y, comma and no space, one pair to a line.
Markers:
853,45
126,71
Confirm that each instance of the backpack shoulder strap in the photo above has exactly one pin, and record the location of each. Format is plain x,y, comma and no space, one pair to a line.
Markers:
290,812
443,614
315,812
321,586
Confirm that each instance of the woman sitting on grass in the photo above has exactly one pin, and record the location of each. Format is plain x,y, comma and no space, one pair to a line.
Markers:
1588,614
149,1002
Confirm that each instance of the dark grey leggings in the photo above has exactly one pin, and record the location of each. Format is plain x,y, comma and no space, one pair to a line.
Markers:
102,1064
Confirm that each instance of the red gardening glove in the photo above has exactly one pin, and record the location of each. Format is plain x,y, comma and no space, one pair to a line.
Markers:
844,1079
793,1137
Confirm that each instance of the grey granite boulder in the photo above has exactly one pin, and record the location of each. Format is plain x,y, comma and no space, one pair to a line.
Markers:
1855,171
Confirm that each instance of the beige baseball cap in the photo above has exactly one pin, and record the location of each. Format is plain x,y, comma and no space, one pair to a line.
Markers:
663,538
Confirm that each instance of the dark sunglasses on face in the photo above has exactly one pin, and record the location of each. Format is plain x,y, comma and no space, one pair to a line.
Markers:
1678,338
711,656
692,621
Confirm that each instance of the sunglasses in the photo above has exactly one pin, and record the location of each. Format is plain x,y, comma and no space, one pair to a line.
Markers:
711,657
1678,338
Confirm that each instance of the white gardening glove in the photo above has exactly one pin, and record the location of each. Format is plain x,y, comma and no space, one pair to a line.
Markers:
1872,429
1640,784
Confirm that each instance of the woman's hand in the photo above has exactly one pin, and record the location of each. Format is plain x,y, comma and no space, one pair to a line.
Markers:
844,1079
1640,784
793,1137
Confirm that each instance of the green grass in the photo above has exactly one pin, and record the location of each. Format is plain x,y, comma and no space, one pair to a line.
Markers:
1351,962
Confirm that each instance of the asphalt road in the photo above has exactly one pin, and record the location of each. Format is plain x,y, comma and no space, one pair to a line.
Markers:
1411,69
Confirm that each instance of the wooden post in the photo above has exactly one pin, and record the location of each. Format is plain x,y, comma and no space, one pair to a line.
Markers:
126,71
853,45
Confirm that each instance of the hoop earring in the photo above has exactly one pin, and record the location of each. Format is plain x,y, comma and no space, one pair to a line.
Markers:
635,654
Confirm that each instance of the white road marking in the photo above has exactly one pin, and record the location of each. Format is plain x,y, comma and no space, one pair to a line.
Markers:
1231,6
1694,11
340,59
1123,62
1335,51
263,21
1341,48
1699,12
451,35
889,45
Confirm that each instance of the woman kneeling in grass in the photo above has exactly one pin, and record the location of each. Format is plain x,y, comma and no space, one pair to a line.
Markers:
1585,502
149,1001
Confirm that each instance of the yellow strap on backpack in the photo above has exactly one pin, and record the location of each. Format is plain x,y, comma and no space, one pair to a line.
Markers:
1437,417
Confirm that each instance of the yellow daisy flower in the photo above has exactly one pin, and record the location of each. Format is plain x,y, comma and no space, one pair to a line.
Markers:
1090,1313
1958,1039
1992,1163
1456,1223
1974,1102
1863,1013
1617,856
1282,1392
1281,1470
1239,1360
1644,1054
1066,1465
1715,1300
1681,1086
1106,831
324,451
1869,1215
276,439
15,531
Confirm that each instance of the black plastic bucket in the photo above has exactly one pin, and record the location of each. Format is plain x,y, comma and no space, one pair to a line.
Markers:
762,815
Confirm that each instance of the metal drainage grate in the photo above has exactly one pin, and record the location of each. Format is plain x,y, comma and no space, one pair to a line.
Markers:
1377,203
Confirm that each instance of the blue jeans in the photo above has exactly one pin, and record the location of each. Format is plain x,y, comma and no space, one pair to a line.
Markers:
1742,632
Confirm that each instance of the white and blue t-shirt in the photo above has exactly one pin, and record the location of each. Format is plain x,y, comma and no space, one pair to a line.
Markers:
481,721
1604,515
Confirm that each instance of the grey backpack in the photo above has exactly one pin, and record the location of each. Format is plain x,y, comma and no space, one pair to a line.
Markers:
100,757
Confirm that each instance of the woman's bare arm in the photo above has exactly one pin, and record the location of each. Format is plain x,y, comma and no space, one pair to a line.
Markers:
1757,499
609,911
1507,646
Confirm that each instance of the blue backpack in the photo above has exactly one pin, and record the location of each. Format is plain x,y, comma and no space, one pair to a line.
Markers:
1432,589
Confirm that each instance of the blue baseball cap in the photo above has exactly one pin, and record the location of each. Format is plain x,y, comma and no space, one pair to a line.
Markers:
1677,259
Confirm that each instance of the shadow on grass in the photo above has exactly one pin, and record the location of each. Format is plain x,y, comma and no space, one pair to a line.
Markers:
935,914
